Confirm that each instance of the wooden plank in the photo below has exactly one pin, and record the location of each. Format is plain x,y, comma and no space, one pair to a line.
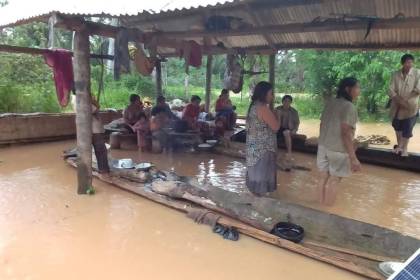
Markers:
40,51
209,70
81,68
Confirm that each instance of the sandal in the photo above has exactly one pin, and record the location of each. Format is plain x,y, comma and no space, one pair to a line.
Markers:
219,229
231,234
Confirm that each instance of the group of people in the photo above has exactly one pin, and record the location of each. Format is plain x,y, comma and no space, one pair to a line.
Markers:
336,157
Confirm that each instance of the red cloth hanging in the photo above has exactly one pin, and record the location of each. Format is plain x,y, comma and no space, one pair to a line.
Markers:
61,63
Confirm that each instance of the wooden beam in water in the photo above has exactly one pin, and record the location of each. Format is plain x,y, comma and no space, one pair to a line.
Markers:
81,68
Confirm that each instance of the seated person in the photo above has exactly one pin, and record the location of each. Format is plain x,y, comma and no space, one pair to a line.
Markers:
289,122
224,109
132,112
191,113
161,104
157,124
142,129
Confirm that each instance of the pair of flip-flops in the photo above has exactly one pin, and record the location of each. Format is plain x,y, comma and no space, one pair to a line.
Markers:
226,232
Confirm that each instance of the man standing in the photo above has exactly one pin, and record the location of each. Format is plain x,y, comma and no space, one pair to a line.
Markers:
404,93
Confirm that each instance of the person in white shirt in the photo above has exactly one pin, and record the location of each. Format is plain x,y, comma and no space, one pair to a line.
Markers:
404,92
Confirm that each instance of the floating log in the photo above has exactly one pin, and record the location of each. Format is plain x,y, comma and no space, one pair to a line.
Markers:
170,192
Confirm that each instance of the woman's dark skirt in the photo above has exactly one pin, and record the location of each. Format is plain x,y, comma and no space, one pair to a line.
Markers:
262,177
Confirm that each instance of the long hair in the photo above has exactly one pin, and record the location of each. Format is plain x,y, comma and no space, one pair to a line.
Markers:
260,93
348,82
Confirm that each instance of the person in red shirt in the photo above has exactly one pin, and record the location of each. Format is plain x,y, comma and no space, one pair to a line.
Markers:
191,112
225,110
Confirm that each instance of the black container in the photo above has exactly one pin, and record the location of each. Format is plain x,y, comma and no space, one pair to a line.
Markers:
289,231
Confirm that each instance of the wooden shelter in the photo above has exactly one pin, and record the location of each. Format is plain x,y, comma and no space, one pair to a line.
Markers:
261,27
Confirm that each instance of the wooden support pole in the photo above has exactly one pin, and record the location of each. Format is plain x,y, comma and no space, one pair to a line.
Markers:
272,69
209,71
81,65
159,78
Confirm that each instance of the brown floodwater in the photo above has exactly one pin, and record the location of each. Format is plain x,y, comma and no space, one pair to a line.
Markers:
377,195
49,232
311,129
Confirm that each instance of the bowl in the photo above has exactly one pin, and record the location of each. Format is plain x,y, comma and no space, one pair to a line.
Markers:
144,166
288,231
126,163
211,142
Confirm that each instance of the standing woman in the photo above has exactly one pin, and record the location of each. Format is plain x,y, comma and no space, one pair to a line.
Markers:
261,141
336,156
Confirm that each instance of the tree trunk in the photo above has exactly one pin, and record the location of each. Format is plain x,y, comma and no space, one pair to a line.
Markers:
208,81
272,69
81,65
186,84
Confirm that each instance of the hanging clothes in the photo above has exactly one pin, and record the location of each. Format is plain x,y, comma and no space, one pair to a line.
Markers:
121,56
61,63
233,78
192,53
144,64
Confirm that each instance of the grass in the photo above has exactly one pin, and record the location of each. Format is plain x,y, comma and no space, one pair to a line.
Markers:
42,98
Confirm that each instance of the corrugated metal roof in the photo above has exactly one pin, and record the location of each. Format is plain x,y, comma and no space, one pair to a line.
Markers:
40,10
261,13
283,12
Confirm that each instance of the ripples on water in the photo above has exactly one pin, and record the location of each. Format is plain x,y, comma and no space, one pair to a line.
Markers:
387,197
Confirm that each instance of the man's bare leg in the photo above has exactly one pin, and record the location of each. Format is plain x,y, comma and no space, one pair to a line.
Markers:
322,181
331,190
404,146
288,140
399,141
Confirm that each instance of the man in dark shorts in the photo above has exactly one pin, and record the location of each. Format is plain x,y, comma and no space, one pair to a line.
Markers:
404,93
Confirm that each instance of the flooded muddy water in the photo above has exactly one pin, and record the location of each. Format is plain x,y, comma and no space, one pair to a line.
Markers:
382,196
49,232
311,129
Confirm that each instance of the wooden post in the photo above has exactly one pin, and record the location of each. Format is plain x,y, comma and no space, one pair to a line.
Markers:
81,65
51,31
208,81
159,78
272,69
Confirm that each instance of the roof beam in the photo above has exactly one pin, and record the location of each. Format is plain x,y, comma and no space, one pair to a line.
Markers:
324,26
36,51
94,28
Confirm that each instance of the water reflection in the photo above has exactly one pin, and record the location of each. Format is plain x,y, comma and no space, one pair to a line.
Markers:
382,196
